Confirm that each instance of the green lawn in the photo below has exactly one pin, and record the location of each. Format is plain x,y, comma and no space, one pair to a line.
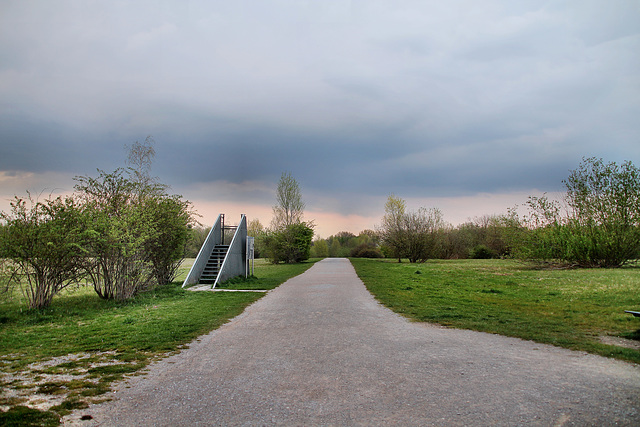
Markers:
95,342
567,308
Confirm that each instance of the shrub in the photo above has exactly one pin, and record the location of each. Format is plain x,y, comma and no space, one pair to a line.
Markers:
366,250
481,252
292,244
44,243
166,246
600,226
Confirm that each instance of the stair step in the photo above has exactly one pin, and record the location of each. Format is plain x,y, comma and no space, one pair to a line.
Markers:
214,264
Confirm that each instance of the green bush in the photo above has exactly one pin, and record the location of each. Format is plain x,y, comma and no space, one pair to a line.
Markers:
366,250
292,244
44,245
481,252
600,225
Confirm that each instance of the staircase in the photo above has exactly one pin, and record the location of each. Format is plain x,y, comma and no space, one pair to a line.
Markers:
211,270
222,256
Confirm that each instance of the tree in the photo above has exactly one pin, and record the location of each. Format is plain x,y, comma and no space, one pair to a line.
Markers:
416,235
197,236
291,245
335,248
422,231
289,208
392,230
165,247
256,230
119,228
320,249
599,223
140,158
44,242
289,239
138,236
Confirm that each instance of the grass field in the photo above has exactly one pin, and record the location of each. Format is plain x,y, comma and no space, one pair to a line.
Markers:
576,309
60,358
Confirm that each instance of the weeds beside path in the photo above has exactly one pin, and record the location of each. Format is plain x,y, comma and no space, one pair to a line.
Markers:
61,358
574,309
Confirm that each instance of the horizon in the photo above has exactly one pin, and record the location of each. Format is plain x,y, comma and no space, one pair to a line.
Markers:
462,106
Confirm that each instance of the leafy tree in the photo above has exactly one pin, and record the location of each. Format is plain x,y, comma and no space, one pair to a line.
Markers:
320,249
166,245
415,235
117,265
291,245
138,234
44,243
335,247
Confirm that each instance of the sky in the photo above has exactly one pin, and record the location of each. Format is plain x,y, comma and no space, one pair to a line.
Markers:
462,105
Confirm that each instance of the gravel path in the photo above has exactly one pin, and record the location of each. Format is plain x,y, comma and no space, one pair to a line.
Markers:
319,350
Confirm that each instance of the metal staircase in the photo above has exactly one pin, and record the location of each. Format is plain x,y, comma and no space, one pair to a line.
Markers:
222,256
211,270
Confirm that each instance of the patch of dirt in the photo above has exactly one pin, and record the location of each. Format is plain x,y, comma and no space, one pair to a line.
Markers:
37,387
620,342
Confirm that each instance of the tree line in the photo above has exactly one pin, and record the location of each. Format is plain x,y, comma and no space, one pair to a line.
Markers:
121,232
595,224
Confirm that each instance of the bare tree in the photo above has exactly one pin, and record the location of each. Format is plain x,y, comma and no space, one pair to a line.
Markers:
289,208
392,229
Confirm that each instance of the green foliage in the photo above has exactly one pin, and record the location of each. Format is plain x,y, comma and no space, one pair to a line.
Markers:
197,236
256,230
320,249
289,239
292,244
600,226
120,231
346,244
366,250
165,249
481,252
570,308
43,247
120,226
139,233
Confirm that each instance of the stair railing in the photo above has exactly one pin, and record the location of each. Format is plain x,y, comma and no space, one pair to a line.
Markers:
234,263
213,238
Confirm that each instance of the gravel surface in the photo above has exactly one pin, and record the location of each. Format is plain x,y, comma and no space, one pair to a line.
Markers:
319,350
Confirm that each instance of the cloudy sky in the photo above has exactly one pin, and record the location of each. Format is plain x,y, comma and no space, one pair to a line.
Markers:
469,106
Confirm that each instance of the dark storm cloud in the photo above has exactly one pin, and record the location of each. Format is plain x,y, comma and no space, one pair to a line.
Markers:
356,99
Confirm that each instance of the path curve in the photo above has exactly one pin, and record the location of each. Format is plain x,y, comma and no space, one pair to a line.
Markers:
319,350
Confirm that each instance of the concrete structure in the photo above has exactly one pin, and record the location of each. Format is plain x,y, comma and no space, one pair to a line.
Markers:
219,260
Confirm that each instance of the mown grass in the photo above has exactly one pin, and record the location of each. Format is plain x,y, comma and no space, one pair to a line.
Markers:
568,308
109,339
